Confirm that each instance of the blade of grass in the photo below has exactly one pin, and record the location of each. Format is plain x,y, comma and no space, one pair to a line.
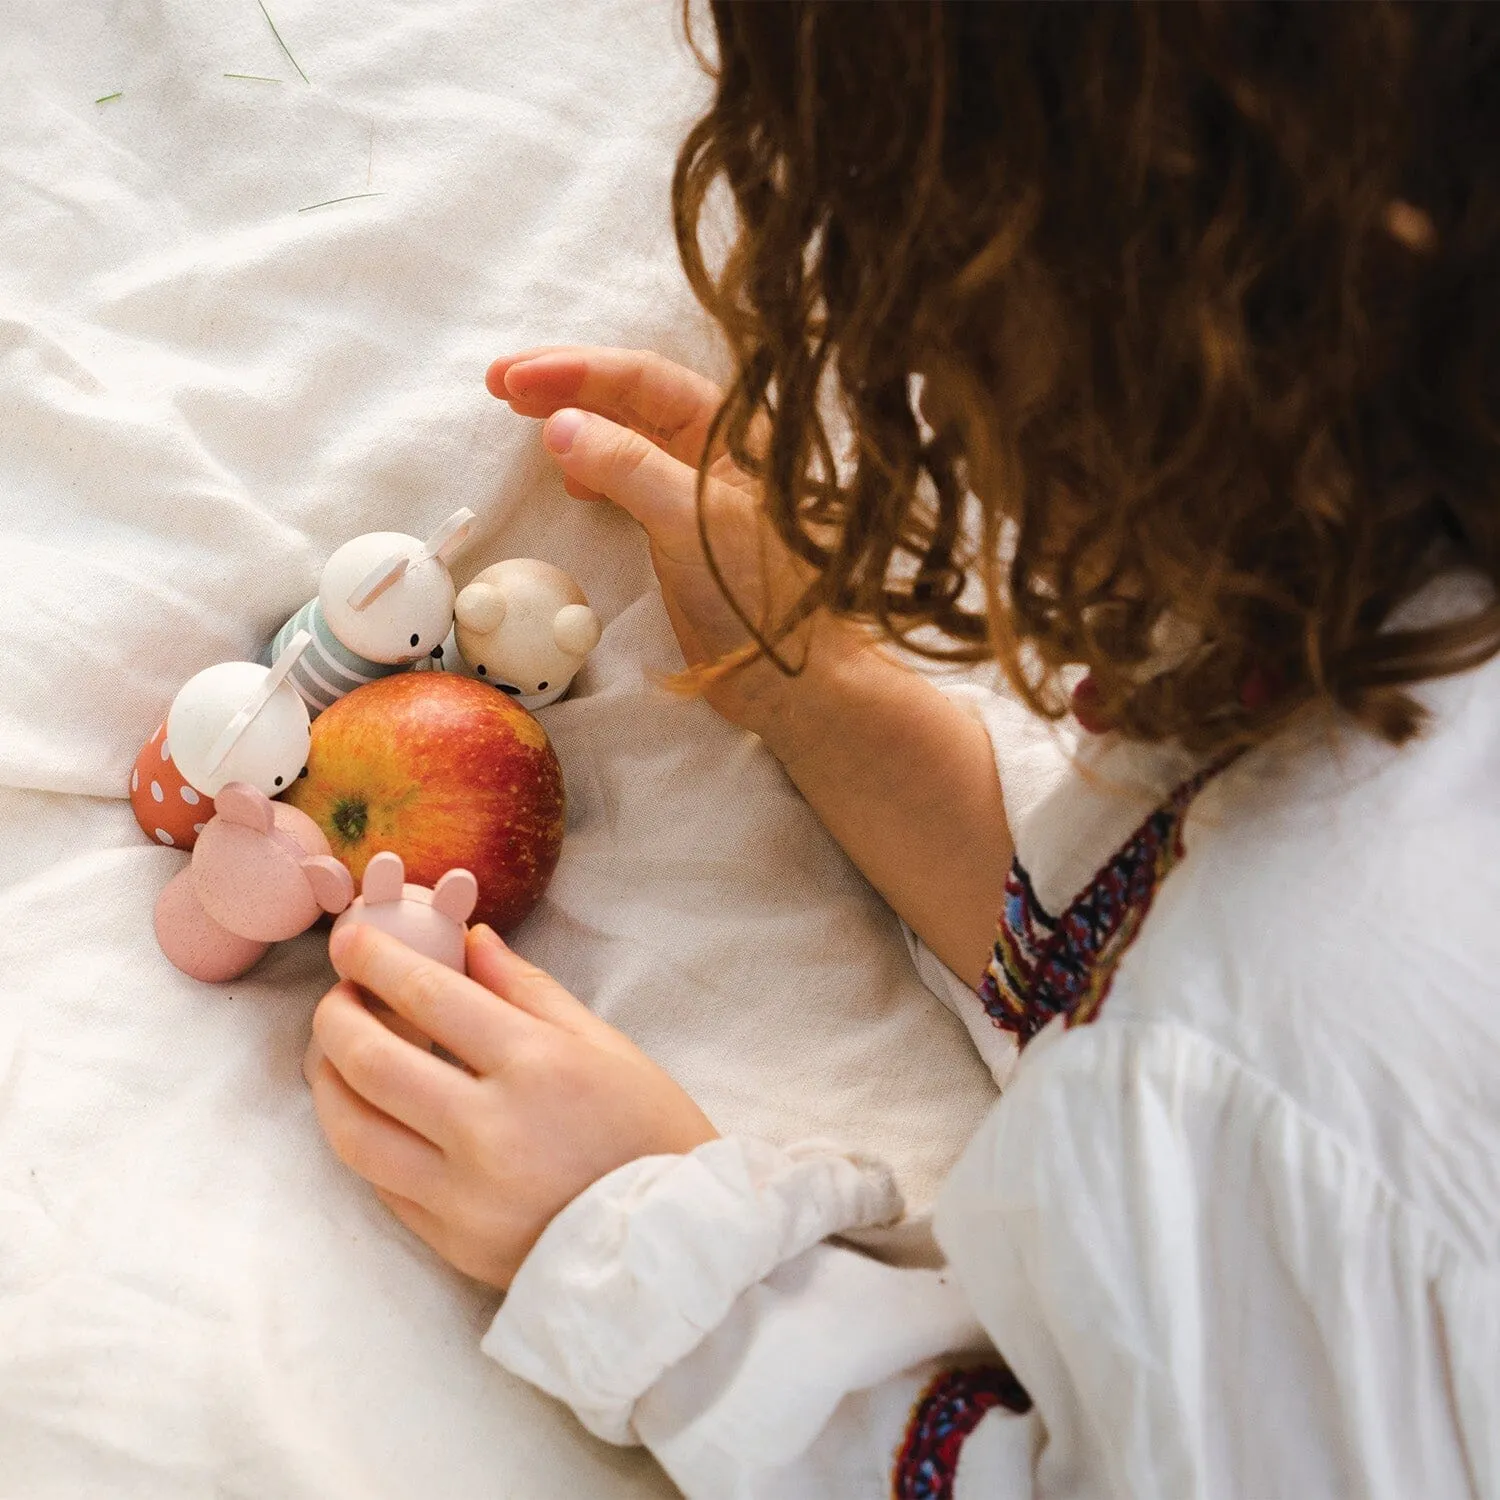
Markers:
349,198
279,42
105,100
255,78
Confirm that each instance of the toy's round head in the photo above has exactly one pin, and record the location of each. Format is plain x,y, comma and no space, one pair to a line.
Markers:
526,627
269,752
389,597
262,869
431,921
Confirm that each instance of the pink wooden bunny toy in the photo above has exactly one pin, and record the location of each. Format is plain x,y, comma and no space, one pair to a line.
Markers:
261,872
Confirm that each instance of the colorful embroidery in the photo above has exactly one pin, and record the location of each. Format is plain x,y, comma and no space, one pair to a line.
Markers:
942,1419
1045,966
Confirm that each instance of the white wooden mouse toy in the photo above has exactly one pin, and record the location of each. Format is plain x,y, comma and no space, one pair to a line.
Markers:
526,627
385,601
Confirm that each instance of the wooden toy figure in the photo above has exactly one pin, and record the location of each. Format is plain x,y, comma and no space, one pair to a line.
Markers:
168,809
431,921
385,601
261,872
526,627
240,721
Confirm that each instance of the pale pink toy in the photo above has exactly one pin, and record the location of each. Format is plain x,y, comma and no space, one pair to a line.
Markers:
261,872
431,921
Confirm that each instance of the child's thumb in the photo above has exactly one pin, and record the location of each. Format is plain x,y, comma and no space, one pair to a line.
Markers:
617,462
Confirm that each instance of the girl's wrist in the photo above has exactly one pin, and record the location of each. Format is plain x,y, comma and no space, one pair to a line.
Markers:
792,715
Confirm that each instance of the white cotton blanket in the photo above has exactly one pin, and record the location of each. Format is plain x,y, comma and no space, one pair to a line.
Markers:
206,384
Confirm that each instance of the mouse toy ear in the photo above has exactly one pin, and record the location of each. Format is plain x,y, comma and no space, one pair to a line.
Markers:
241,803
385,876
455,895
332,885
576,629
481,607
378,580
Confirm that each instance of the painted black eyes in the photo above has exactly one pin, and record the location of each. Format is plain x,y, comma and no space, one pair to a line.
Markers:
482,670
278,781
415,639
302,772
541,687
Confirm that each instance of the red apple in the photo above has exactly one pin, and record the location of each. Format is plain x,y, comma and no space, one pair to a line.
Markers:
445,771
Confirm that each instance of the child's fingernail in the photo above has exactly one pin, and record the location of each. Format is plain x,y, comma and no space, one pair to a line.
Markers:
511,383
484,933
562,427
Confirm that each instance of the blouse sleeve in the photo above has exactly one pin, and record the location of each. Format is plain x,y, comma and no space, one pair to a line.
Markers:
697,1305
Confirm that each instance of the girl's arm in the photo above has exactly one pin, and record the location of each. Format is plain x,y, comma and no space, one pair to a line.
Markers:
901,776
685,1303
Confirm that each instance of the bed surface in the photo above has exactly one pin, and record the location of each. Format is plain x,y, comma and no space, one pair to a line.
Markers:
206,384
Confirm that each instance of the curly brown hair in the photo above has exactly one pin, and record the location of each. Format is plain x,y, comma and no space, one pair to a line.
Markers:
1198,302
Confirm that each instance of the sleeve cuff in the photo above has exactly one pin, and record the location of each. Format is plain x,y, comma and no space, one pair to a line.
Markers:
633,1274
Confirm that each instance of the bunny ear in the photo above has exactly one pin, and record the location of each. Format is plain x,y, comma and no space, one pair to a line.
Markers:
332,885
445,542
239,802
576,629
385,876
481,607
456,895
378,580
273,679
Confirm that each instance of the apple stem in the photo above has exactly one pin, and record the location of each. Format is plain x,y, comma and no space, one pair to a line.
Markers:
350,815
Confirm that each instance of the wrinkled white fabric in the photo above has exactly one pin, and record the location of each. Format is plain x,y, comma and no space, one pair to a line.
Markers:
1238,1237
204,390
631,1289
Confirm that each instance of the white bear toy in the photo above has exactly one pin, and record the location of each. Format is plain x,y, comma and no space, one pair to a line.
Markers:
526,627
385,601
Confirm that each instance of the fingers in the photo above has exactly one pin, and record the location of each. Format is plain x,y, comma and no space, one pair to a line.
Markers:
618,463
498,968
455,1012
401,1080
382,1150
421,1221
672,407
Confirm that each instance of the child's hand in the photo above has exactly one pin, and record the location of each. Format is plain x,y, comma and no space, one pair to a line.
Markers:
631,426
478,1163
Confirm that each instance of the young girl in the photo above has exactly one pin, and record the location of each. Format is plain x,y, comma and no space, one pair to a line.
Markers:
1163,345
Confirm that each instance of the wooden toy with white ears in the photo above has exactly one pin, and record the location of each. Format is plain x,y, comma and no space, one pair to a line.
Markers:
384,602
526,627
237,721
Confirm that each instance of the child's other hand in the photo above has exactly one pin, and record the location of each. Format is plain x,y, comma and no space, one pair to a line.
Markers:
478,1163
631,427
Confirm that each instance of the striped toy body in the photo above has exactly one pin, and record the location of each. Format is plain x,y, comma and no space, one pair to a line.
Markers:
328,669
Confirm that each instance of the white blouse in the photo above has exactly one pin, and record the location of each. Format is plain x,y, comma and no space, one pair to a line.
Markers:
1232,1229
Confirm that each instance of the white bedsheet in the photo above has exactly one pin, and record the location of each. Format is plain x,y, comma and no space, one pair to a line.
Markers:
205,386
